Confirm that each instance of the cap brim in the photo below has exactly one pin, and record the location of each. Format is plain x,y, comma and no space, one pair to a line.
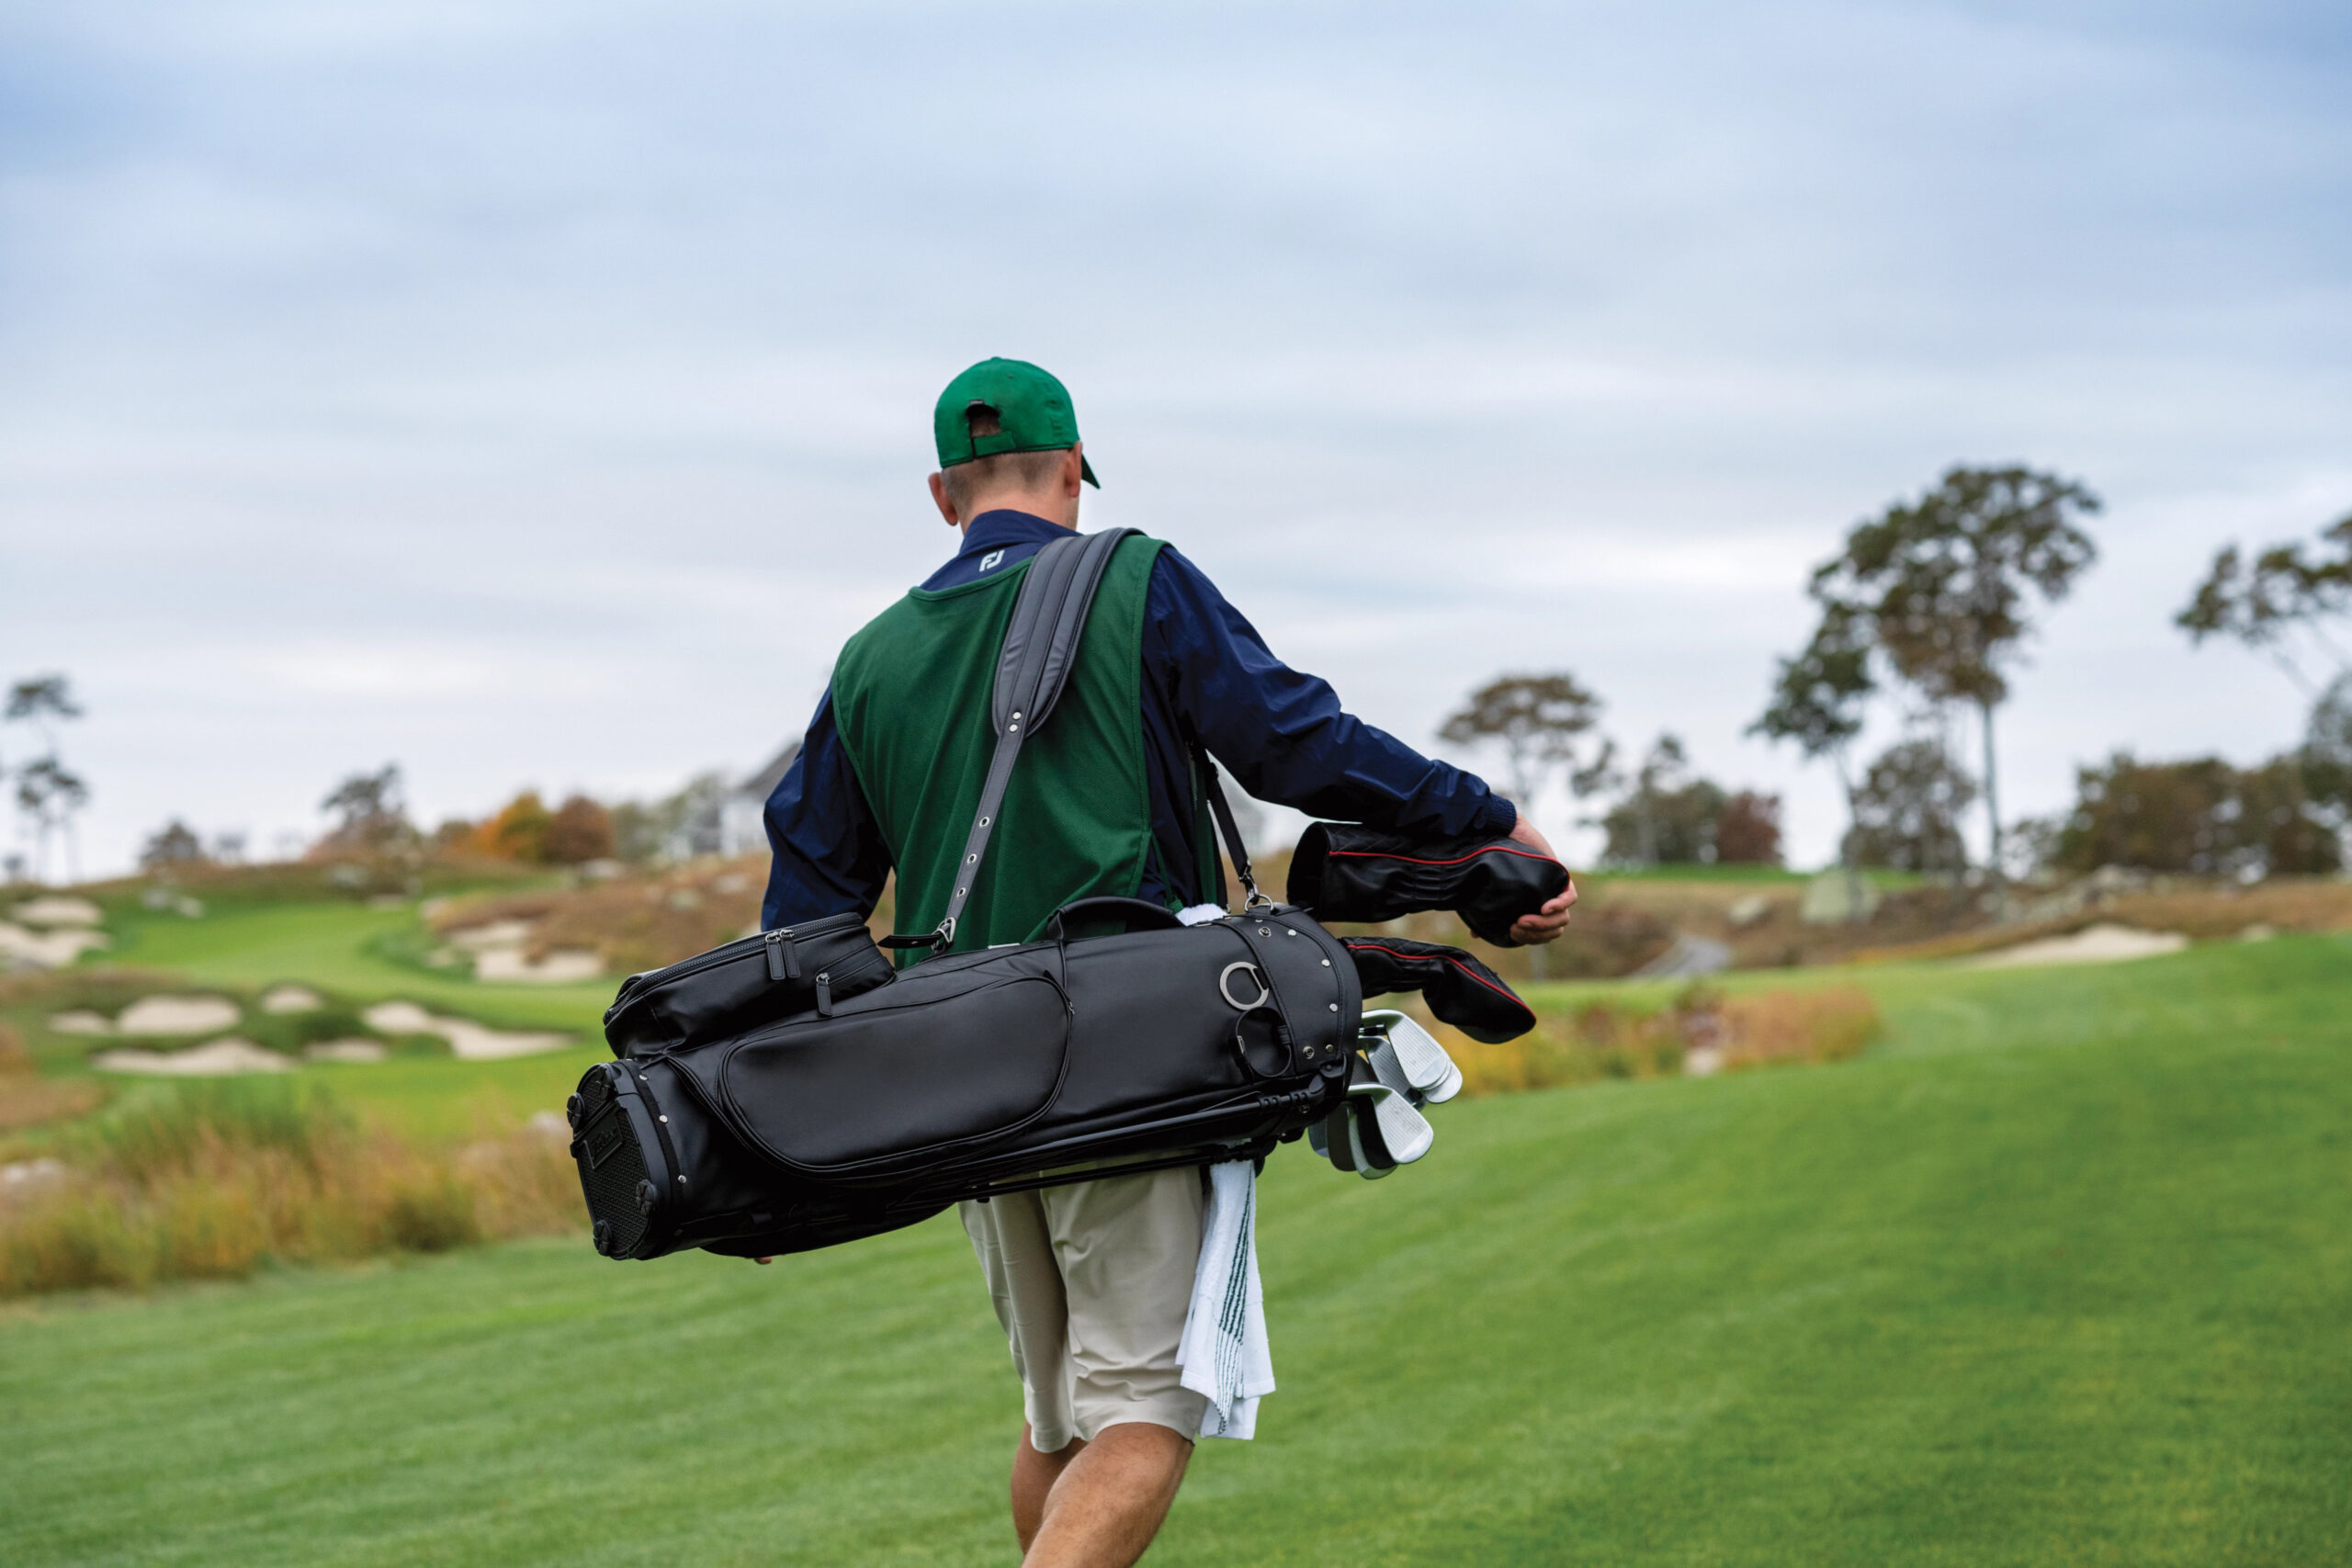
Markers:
1086,471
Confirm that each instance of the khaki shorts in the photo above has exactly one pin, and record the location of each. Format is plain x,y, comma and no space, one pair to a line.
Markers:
1092,1282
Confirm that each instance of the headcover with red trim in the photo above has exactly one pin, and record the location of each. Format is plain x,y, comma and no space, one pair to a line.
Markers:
1344,872
1459,989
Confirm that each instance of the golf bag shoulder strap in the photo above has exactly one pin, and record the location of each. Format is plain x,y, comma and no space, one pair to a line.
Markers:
1040,648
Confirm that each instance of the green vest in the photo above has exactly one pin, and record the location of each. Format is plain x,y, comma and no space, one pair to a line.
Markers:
911,695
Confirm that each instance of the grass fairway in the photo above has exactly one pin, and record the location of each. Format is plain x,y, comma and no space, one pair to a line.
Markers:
2060,1274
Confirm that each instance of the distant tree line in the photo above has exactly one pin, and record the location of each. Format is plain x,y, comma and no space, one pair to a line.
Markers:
1924,615
368,816
1546,729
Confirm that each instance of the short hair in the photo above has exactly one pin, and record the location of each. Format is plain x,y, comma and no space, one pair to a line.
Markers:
1017,471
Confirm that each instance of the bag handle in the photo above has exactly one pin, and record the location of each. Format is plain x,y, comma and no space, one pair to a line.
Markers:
1040,646
1111,906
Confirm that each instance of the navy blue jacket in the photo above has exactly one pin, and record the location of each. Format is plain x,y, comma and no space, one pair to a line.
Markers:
1206,673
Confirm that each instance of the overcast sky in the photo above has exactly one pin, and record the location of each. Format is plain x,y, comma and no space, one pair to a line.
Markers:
539,393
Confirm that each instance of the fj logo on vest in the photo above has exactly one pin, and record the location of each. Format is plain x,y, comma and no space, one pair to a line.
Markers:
991,558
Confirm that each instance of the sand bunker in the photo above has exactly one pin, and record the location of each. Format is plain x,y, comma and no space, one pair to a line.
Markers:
216,1058
498,949
177,1015
352,1049
562,966
46,949
25,1174
469,1041
81,1021
58,909
292,999
2106,942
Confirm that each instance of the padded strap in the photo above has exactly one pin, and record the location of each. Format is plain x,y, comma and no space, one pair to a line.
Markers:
1040,646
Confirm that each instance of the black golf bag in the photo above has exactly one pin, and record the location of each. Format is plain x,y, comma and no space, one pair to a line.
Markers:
791,1091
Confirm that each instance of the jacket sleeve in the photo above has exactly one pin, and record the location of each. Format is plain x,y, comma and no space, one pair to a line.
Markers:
829,852
1282,733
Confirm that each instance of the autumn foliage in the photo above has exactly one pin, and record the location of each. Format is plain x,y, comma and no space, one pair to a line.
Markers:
524,829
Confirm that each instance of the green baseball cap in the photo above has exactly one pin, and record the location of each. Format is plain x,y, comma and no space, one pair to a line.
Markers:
1033,414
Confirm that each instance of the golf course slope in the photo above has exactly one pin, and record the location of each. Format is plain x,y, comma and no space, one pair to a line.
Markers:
2061,1272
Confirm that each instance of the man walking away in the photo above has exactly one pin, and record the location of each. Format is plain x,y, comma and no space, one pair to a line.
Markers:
1089,1281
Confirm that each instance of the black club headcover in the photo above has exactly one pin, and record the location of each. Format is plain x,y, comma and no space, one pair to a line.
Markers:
1459,989
1344,872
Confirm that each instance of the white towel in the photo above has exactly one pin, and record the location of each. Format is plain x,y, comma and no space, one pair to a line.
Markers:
1224,1351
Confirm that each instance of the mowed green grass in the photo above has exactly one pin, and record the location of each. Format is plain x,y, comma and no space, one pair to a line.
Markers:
2062,1273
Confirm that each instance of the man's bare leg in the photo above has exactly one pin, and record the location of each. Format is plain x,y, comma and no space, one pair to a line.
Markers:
1110,1499
1034,1476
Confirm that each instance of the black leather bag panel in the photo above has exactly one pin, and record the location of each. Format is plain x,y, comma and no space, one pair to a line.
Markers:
1151,1025
743,985
1344,872
874,1091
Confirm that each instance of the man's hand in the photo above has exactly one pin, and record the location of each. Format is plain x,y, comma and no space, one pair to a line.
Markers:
1547,923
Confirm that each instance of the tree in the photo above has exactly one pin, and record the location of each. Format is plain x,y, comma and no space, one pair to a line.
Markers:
370,811
1749,830
1545,725
1665,817
675,827
170,847
2200,816
1946,582
41,701
49,794
1908,809
1819,698
2282,597
2327,748
519,830
581,830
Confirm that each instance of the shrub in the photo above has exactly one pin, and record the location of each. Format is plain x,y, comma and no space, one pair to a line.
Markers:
1608,1039
212,1180
169,1133
1767,1028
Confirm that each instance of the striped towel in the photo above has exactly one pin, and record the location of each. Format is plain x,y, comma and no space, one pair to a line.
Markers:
1223,1352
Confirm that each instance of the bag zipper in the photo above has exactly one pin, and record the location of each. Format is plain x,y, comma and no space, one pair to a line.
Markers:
784,954
741,948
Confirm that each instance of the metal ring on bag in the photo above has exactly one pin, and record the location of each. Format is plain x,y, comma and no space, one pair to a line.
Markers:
1225,986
